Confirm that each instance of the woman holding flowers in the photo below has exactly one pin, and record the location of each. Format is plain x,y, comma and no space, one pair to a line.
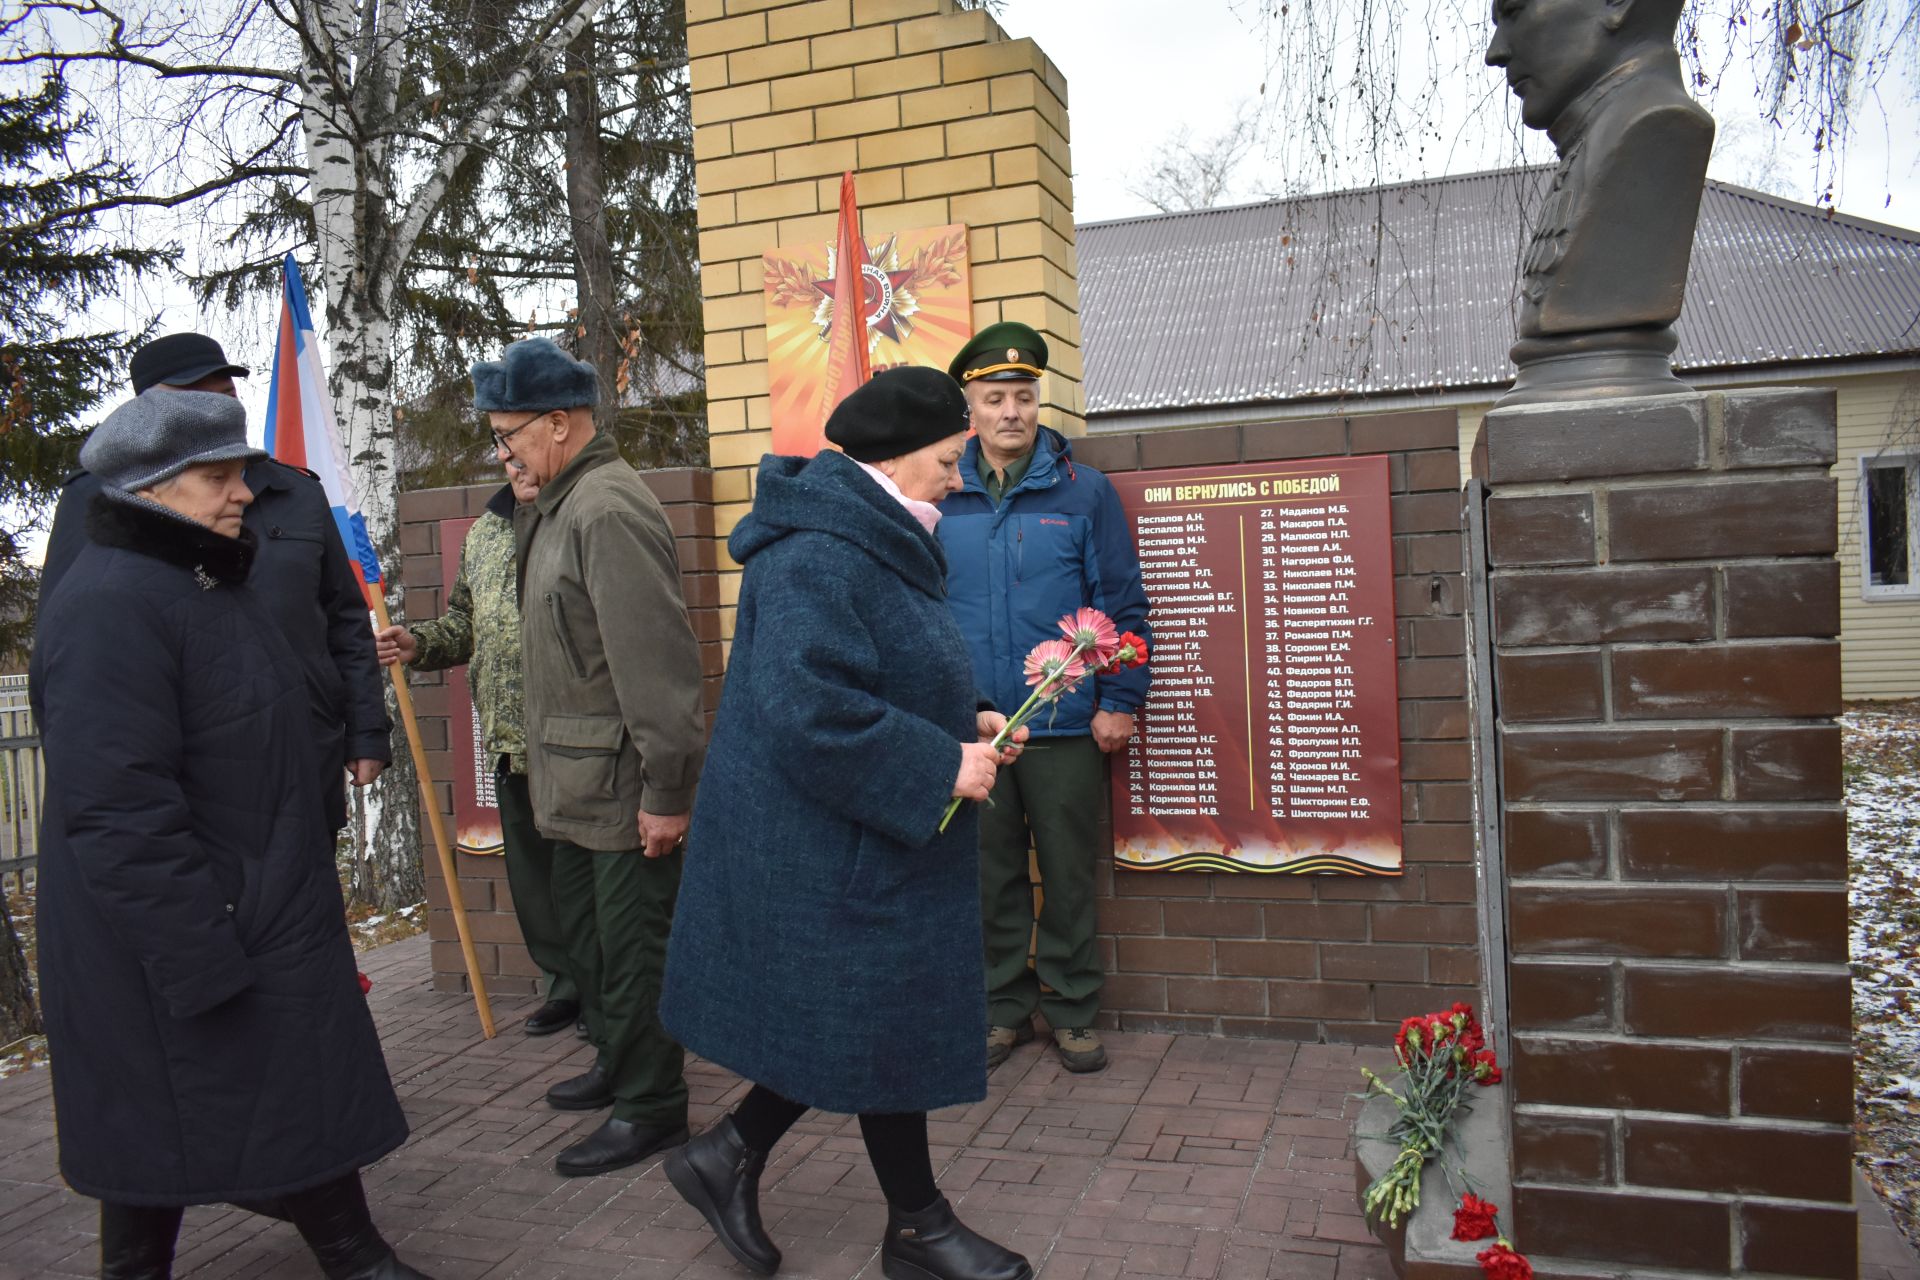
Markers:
826,945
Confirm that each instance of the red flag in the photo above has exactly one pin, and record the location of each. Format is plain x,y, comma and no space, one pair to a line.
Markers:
847,365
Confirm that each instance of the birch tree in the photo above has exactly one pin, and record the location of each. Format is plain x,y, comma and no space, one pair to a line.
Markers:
335,123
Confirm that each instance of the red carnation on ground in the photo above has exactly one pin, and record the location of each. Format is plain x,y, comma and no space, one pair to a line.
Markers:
1473,1220
1502,1263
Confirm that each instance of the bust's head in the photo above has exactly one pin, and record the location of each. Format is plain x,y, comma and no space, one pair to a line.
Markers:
1555,50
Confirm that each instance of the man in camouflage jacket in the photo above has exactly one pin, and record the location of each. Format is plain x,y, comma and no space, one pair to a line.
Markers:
481,628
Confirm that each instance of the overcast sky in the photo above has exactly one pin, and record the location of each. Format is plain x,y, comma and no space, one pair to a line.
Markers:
1140,70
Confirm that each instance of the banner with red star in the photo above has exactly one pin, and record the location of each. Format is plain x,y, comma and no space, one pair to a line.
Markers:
919,310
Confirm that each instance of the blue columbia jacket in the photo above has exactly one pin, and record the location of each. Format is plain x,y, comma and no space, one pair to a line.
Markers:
1058,542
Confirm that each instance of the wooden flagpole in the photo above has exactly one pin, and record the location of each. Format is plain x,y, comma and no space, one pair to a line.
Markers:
431,805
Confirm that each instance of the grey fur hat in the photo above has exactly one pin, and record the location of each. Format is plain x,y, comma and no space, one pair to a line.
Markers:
532,375
159,434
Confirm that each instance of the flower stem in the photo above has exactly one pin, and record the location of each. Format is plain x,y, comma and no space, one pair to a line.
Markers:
1020,717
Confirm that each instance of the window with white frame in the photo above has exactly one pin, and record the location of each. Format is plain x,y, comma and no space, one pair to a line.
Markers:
1890,525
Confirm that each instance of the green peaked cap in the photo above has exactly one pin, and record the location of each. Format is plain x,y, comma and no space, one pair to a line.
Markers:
1001,352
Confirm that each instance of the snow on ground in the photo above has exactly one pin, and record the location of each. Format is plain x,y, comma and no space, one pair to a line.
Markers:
1883,809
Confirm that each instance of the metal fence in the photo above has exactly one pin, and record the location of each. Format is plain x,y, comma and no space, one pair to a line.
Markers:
22,775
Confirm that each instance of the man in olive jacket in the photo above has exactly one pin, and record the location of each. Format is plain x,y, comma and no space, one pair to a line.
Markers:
615,734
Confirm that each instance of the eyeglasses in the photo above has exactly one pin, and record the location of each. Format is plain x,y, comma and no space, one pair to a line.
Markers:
501,439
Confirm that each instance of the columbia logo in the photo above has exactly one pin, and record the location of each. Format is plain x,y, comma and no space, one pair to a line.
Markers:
1061,523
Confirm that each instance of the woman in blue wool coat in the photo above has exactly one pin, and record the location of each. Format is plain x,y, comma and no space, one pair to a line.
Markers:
827,945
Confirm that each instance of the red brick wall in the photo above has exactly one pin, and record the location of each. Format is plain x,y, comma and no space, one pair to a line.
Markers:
1665,602
688,497
1323,957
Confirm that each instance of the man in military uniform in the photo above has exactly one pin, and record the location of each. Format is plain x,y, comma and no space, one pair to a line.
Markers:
481,628
615,734
300,573
1605,270
1031,536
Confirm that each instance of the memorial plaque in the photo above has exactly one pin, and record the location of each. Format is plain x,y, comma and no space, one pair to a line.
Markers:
476,810
1271,739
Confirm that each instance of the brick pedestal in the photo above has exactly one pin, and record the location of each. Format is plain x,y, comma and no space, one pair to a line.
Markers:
1665,602
941,118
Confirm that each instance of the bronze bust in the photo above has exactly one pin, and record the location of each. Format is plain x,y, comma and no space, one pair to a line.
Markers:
1605,271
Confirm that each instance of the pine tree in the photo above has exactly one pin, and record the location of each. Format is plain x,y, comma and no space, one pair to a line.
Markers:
54,366
50,375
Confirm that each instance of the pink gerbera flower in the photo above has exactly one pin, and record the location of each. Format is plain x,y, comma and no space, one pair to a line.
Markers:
1052,665
1093,633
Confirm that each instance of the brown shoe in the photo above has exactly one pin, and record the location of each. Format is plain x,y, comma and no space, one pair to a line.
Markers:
1000,1042
1080,1049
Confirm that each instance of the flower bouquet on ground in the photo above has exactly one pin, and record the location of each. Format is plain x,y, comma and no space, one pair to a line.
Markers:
1092,645
1444,1057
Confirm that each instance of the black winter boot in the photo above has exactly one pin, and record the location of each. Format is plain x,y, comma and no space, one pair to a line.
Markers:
934,1245
334,1221
136,1242
719,1175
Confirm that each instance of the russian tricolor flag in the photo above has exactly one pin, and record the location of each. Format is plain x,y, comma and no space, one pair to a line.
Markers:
301,431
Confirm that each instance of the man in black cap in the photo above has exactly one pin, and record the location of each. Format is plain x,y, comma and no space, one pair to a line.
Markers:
301,574
1033,536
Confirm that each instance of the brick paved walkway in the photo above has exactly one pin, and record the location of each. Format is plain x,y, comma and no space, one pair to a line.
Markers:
1188,1157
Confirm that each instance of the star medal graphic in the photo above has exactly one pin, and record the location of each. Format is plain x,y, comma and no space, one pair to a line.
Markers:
888,294
918,309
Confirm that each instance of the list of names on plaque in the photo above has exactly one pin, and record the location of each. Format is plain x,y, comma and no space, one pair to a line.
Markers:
1270,741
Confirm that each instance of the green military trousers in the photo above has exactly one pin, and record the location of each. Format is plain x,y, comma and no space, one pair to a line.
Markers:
614,911
1049,798
529,859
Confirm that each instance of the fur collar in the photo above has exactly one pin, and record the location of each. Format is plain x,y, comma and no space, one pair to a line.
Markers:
135,524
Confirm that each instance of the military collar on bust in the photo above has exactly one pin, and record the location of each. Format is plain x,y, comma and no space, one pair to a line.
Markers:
1572,124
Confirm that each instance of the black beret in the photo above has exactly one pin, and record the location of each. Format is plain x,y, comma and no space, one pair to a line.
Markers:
532,375
1002,352
899,411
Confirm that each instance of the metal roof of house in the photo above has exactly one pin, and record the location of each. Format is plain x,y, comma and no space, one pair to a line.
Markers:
1409,288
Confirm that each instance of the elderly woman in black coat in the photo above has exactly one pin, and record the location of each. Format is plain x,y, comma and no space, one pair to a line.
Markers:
209,1038
826,944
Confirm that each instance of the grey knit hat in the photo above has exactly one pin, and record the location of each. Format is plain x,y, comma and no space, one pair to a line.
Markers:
161,433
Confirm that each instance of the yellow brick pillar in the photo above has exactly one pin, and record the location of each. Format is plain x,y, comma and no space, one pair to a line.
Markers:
942,117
